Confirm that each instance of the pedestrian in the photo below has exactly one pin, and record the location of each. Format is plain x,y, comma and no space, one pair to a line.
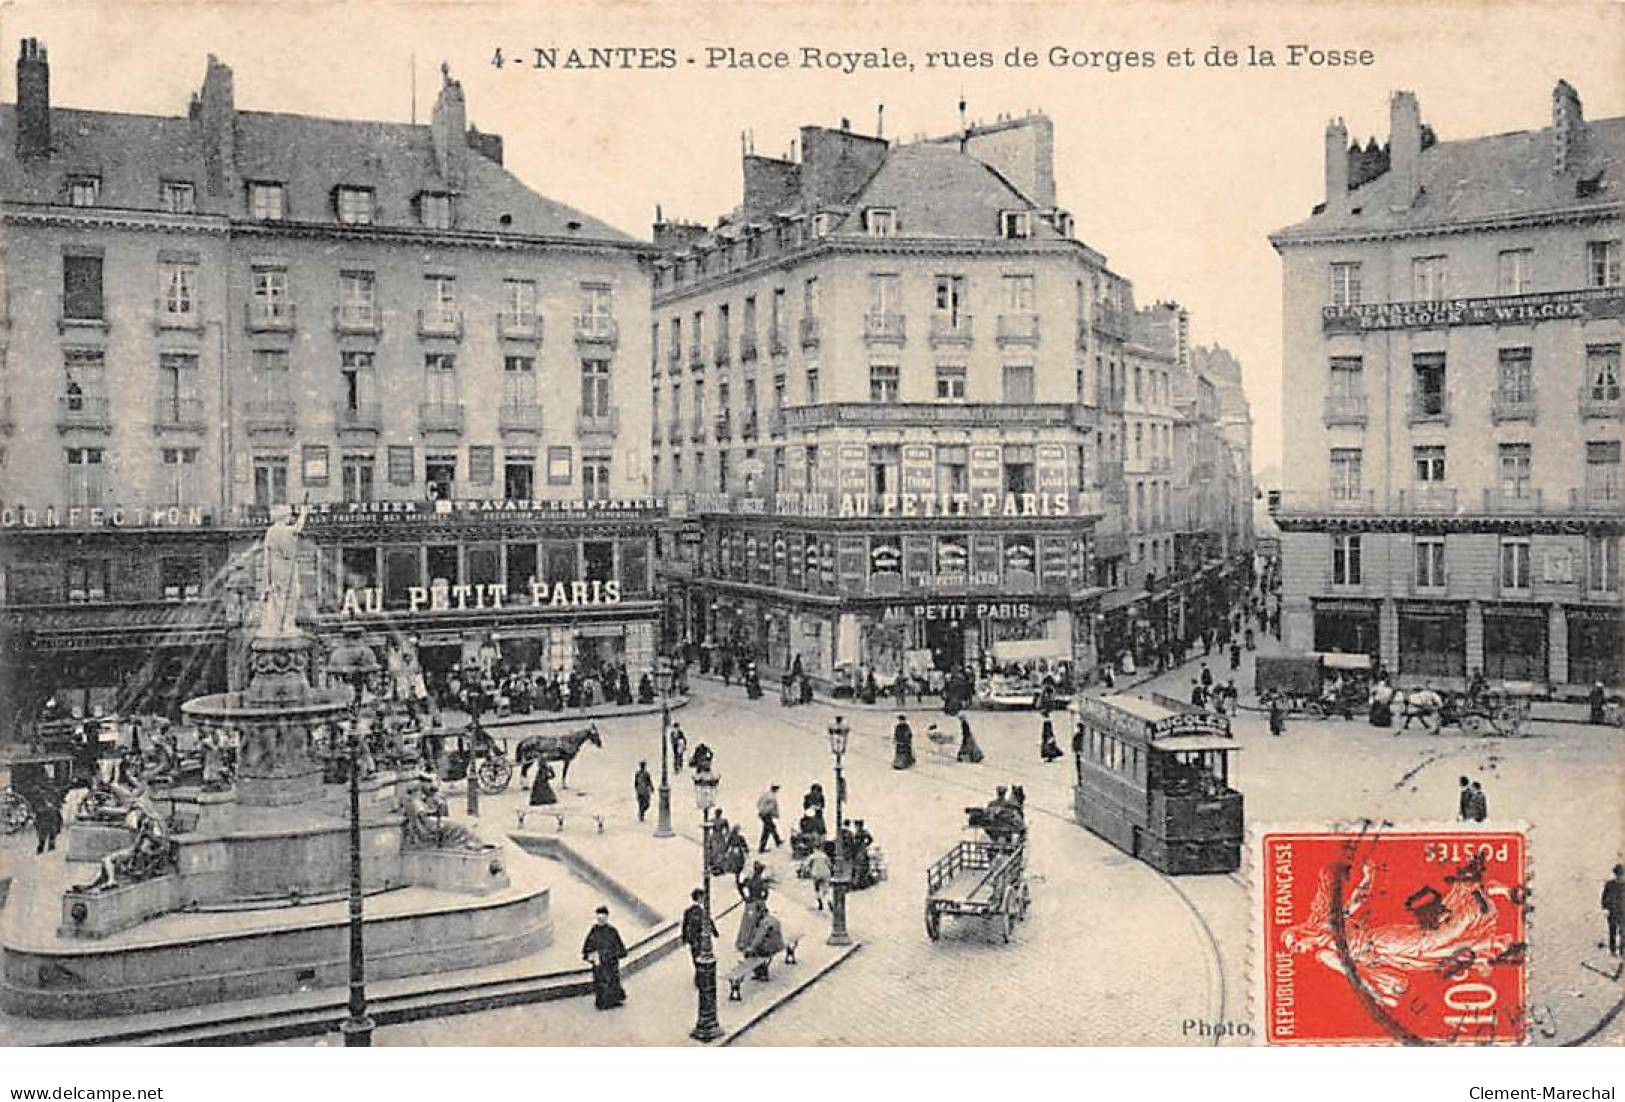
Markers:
1207,677
697,924
968,750
1048,749
1250,638
1481,805
603,949
819,872
1198,693
754,890
767,809
902,744
1207,642
1235,655
1464,800
679,743
1277,717
541,793
1613,905
1596,700
45,799
643,787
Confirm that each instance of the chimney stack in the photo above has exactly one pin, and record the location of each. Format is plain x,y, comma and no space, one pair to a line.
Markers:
1405,148
447,126
1567,121
1337,165
33,100
215,114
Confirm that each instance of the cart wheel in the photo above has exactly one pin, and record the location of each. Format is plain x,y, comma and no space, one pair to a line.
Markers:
1315,708
1026,901
1007,926
933,922
495,774
1473,724
14,812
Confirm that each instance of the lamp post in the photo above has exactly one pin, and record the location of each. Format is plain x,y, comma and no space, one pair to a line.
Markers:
838,732
475,734
663,671
354,662
706,1026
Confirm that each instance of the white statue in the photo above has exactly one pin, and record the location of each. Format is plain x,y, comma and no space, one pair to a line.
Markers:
279,603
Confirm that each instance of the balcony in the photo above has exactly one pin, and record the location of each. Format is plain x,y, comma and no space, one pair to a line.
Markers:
778,342
361,417
723,353
440,321
1526,499
598,423
1427,407
1111,399
885,328
951,329
516,416
809,332
1511,407
519,327
696,428
724,426
1426,499
596,329
270,316
1601,401
440,417
747,346
1343,409
1019,328
269,415
357,320
85,412
1109,321
748,426
1602,497
186,321
178,415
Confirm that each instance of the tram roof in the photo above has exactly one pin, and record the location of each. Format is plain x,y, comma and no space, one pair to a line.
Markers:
1179,744
1148,710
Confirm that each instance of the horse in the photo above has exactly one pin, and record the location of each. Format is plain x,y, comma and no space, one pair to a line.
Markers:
559,748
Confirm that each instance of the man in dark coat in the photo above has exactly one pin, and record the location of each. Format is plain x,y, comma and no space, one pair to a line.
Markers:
902,744
1595,701
1464,801
1481,803
603,949
698,929
1613,905
643,787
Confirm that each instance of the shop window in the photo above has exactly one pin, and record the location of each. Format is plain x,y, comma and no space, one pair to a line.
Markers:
560,562
484,564
598,560
87,580
443,564
403,570
520,570
1514,647
181,577
634,566
360,567
1432,642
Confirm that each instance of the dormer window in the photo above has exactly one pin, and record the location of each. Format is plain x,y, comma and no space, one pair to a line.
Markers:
267,202
821,224
880,221
179,197
434,210
355,205
1015,225
84,191
1063,223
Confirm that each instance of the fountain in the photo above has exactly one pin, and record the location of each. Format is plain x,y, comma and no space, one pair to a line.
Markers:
233,893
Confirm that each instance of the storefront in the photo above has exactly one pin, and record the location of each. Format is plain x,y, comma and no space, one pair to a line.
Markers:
1515,642
1432,639
1346,626
1596,645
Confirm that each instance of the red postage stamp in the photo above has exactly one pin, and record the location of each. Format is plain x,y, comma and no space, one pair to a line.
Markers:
1392,935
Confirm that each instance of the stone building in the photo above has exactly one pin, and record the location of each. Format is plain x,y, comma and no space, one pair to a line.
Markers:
1452,410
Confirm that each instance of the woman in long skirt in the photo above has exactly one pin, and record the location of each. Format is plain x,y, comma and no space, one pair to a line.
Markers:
1047,747
968,750
902,745
541,793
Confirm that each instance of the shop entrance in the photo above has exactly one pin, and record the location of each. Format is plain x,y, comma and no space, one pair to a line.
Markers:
595,653
1515,645
946,641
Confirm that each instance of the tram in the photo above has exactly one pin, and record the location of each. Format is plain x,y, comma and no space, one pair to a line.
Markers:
1153,779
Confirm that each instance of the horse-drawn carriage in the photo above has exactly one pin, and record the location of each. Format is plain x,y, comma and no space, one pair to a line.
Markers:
28,771
1317,684
983,877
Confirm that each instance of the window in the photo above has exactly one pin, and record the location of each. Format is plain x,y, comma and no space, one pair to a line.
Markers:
177,284
402,465
885,297
519,304
313,465
1348,377
1345,560
1139,440
747,326
1602,472
439,476
1516,382
1514,467
880,221
1429,564
676,339
266,202
950,298
87,580
441,293
885,468
1139,388
1019,292
82,288
518,477
355,205
951,382
1346,284
1602,263
270,383
821,224
1019,477
440,379
85,485
178,401
1515,271
1019,384
560,466
1429,463
1514,564
1428,278
482,462
434,210
724,330
597,310
883,382
270,294
179,197
518,381
1429,396
777,318
809,297
1015,225
595,477
1138,521
358,474
812,385
84,191
676,404
270,480
1602,564
86,384
1346,474
179,474
1602,372
356,378
595,388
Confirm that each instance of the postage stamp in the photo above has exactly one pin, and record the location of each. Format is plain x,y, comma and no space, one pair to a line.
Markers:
1378,934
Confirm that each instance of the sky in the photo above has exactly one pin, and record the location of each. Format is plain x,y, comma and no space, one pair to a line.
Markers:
1177,174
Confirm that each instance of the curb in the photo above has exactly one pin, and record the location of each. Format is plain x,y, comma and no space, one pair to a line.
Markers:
789,996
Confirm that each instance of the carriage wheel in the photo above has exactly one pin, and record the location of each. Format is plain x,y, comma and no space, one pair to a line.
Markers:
14,812
1007,925
495,774
933,922
1315,708
1026,901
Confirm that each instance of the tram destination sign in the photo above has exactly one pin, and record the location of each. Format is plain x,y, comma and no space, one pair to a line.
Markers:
1106,716
1592,302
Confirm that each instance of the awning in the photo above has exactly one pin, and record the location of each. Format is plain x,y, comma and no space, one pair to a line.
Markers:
1028,650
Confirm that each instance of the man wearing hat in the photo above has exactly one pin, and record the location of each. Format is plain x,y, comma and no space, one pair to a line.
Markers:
603,949
695,923
1613,905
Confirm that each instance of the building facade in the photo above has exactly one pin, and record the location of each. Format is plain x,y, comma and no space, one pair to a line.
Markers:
214,316
1451,497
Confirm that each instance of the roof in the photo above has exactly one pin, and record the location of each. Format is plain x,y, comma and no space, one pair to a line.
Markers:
939,192
1481,178
1148,710
1179,744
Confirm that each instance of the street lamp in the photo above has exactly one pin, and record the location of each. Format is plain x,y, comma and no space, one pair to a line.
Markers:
666,674
706,1026
475,734
353,661
838,732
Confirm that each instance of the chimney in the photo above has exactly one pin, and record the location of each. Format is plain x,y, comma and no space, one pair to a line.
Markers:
215,113
486,145
447,125
33,100
834,164
1022,151
1567,122
1337,165
1405,148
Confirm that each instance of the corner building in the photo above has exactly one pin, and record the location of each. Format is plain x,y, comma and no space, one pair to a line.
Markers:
214,315
888,393
1452,404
